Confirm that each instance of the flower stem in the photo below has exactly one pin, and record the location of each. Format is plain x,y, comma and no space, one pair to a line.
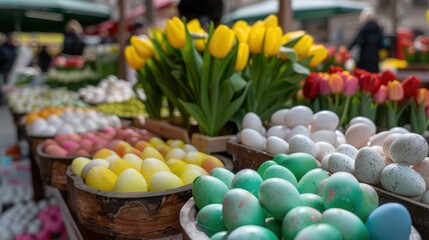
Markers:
345,110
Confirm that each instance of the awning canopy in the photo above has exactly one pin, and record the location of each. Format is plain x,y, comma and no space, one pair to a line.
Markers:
302,9
49,15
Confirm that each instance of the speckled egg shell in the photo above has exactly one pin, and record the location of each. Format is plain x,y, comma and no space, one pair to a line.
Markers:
299,115
378,139
348,150
358,135
300,143
423,169
339,162
324,164
402,180
325,120
388,142
368,166
324,136
366,121
324,149
409,148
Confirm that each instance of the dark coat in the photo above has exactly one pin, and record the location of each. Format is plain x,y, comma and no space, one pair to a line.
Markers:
370,39
8,53
73,44
205,11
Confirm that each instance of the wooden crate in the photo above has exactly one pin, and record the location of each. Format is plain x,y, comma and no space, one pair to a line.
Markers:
148,215
246,157
210,145
38,185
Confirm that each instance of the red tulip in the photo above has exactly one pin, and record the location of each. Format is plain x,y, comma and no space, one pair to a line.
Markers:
311,88
350,85
335,69
410,85
387,76
359,72
336,83
324,87
395,91
369,83
380,96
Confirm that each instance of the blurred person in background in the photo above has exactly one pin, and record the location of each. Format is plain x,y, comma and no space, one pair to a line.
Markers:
8,53
73,39
105,37
44,59
205,11
369,40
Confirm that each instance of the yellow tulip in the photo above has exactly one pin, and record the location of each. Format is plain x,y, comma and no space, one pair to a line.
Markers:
272,42
143,47
303,45
194,26
240,24
175,32
242,34
259,23
133,59
291,36
427,16
271,21
256,37
319,53
242,56
221,42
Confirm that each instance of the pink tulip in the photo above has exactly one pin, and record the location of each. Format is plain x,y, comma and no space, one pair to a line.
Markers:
350,85
336,83
380,96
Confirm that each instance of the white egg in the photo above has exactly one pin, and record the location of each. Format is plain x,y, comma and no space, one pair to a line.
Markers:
299,115
368,166
55,121
276,145
80,129
423,169
399,130
50,131
378,139
252,120
324,149
325,162
402,180
340,141
90,125
388,142
409,148
65,128
278,131
278,117
301,143
378,149
298,130
325,120
339,162
358,135
37,126
366,121
324,136
425,198
263,131
114,121
252,138
348,150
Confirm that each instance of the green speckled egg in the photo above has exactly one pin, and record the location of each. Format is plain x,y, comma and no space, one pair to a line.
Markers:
321,187
369,202
240,208
247,179
208,190
224,175
311,180
278,171
312,200
278,197
280,158
251,232
320,231
298,219
220,236
349,225
299,164
274,226
264,166
342,190
210,219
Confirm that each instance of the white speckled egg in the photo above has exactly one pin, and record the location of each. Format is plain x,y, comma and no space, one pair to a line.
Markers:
325,120
425,198
301,143
276,145
358,135
279,116
324,149
388,141
423,169
252,138
339,162
378,139
278,131
324,136
253,121
348,150
325,162
402,180
299,115
298,130
409,148
399,130
366,121
378,149
368,166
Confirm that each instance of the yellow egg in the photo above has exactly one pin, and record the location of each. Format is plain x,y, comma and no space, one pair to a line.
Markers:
163,148
150,152
105,153
175,143
30,118
93,163
150,166
130,180
155,141
176,165
164,180
192,167
189,176
101,178
135,160
177,153
78,164
196,158
119,165
189,148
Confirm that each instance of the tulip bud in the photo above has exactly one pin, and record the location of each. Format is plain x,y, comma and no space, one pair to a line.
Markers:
194,26
242,56
303,45
369,83
319,53
350,85
410,86
324,87
395,90
290,36
336,83
311,88
380,96
221,42
143,47
175,32
256,37
242,34
272,41
271,21
422,96
133,59
240,24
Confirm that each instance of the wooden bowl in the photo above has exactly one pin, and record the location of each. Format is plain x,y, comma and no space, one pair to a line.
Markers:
246,157
147,215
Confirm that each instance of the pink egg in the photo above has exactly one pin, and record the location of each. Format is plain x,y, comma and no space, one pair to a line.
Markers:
82,153
85,141
88,148
43,235
61,138
109,130
74,136
48,142
69,145
113,143
56,150
92,139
